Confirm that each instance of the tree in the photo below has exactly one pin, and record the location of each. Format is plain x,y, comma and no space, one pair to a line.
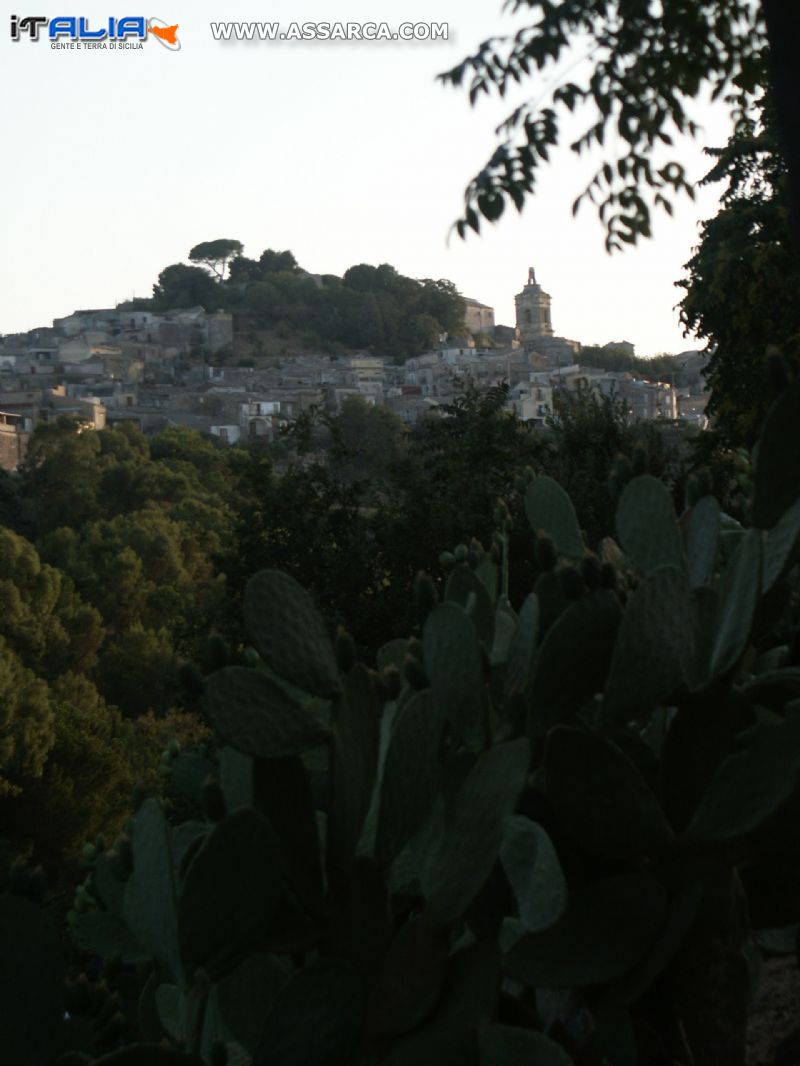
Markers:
85,784
413,314
184,286
144,566
14,507
60,474
208,468
647,61
442,300
242,270
140,653
427,331
383,278
743,284
370,326
142,539
262,299
588,433
42,617
26,722
348,569
74,762
366,440
652,368
216,254
362,278
272,262
454,470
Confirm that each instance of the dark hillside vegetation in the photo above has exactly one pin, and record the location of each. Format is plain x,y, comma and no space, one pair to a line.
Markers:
369,308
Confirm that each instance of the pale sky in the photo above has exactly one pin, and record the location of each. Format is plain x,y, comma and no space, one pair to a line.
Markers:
117,163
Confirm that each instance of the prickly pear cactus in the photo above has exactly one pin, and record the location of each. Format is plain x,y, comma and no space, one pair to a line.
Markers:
527,835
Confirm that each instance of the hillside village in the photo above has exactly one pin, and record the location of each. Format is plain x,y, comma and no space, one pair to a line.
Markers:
183,367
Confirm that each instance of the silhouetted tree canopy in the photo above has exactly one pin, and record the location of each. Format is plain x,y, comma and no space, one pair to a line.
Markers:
743,286
643,65
216,254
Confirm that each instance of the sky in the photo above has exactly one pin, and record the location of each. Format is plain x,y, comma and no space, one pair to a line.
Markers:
118,162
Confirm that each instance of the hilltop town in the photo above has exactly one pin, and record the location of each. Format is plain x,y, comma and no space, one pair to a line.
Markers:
192,367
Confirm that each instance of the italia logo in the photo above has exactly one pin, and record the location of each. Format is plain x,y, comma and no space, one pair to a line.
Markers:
79,28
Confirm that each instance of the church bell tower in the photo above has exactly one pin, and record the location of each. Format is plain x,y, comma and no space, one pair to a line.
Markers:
533,312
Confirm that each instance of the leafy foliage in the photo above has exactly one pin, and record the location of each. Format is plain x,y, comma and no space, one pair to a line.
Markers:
42,616
179,285
644,62
85,784
27,722
653,368
744,280
590,434
96,615
216,254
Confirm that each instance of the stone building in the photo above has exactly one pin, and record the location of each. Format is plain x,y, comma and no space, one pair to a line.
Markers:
478,317
535,327
15,431
179,331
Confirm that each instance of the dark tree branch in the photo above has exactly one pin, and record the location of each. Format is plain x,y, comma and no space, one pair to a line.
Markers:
782,19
